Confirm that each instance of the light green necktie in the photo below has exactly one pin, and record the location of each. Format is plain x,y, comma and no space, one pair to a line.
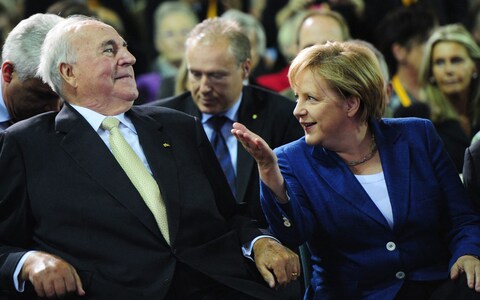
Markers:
138,174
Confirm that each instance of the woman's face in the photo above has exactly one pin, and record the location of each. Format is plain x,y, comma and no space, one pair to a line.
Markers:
320,110
452,67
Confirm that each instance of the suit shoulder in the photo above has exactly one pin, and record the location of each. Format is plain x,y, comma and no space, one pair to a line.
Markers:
292,147
158,112
268,95
36,123
407,124
171,102
475,148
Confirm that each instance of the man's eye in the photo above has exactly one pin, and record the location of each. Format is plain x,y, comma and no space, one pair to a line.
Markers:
217,76
108,50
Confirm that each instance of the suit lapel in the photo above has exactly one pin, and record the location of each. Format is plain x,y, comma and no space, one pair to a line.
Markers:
395,157
339,177
250,115
158,148
88,150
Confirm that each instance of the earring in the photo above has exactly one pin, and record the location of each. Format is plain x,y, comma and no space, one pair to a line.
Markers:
474,75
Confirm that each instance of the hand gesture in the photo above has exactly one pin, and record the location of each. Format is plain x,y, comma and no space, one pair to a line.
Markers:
268,168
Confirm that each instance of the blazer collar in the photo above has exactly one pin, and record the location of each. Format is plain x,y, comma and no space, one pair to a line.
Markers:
395,158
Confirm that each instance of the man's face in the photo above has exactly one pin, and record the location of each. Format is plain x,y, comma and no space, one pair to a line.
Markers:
103,77
317,30
28,98
215,76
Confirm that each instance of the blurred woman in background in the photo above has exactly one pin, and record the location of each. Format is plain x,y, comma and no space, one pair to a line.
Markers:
449,76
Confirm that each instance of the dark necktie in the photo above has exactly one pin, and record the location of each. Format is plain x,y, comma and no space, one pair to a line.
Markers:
221,150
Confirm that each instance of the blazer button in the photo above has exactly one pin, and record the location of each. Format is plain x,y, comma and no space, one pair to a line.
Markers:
400,275
391,246
286,222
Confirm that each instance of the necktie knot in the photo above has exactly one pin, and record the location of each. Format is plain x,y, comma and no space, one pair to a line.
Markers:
218,122
109,123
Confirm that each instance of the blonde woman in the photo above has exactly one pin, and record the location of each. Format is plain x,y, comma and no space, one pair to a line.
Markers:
449,76
378,200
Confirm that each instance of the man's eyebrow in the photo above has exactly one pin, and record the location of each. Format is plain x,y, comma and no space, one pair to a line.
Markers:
113,43
108,43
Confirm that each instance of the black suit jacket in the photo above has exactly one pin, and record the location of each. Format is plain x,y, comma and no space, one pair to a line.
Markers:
268,114
63,192
471,173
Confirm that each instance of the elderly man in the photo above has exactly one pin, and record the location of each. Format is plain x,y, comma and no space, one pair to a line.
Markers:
23,94
109,201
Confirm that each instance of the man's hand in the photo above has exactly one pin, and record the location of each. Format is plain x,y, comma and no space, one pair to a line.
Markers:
51,276
275,262
471,266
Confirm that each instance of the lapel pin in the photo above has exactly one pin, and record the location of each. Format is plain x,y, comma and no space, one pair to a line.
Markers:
166,145
254,116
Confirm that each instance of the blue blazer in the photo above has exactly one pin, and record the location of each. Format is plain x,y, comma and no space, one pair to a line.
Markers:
355,253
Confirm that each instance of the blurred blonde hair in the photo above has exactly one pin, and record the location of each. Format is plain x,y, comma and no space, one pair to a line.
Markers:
441,107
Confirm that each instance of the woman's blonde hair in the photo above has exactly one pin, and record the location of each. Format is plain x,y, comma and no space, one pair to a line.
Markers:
350,69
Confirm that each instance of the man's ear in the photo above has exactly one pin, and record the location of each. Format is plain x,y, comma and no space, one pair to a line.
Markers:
247,67
67,73
7,71
352,105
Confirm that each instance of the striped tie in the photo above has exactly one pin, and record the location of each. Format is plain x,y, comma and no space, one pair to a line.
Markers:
138,174
221,150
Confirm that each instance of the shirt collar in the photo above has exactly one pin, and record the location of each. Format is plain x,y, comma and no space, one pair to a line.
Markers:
4,115
232,113
95,119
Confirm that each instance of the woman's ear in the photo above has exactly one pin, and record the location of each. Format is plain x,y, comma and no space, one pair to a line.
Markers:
399,52
352,104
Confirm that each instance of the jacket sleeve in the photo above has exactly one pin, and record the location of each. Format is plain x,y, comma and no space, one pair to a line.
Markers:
15,216
471,179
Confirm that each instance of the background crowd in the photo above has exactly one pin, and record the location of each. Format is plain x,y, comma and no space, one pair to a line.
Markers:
428,52
156,33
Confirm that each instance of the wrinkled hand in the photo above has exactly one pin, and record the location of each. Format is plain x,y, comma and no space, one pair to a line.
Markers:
275,262
470,265
51,276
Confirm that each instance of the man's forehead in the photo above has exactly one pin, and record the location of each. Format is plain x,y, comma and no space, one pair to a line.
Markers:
98,35
92,29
